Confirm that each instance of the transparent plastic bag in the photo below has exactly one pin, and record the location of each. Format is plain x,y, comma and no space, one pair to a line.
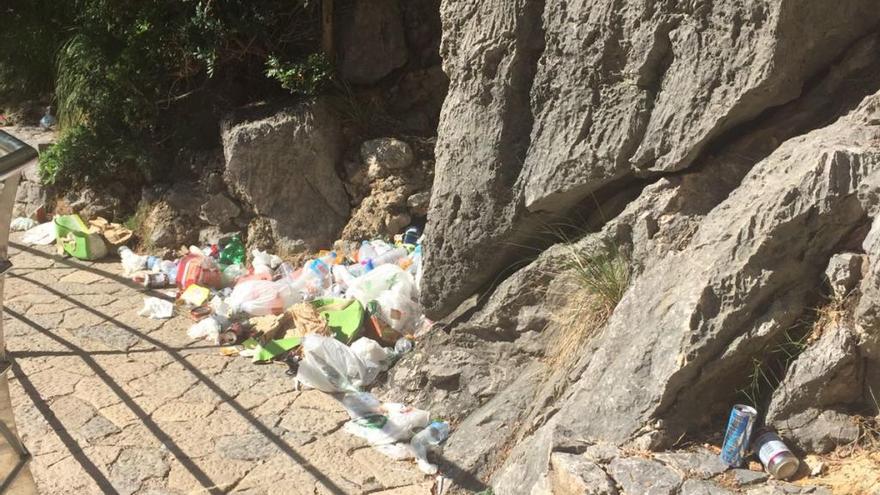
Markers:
368,287
398,424
331,366
261,297
399,311
375,357
209,328
157,309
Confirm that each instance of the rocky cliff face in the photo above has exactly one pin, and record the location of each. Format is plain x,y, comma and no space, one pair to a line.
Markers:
549,104
729,148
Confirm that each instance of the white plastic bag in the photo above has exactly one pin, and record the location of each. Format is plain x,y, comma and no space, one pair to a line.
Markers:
261,297
398,424
157,309
264,262
19,224
207,328
330,366
372,354
41,235
368,287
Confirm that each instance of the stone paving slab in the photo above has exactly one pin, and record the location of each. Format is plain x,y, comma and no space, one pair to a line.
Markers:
111,402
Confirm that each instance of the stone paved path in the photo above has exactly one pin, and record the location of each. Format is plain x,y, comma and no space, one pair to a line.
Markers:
111,402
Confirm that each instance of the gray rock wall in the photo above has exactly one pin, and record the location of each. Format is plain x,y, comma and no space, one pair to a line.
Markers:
550,102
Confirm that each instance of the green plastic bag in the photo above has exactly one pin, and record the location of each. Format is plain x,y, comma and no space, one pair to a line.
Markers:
344,317
74,238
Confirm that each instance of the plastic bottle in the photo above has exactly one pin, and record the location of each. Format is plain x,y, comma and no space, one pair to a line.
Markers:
435,433
48,121
366,252
153,263
403,345
392,256
411,236
233,253
285,270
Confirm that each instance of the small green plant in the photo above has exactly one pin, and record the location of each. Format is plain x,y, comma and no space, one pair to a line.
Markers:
83,155
593,285
603,275
769,369
307,78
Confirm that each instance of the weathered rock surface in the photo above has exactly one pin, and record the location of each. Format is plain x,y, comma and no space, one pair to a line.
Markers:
373,42
844,273
574,475
526,132
389,187
741,281
636,475
283,164
826,375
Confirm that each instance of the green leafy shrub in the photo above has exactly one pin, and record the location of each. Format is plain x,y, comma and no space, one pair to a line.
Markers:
307,78
125,72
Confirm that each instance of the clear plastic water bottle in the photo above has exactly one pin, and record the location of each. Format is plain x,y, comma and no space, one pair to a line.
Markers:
392,256
366,252
435,433
403,345
48,121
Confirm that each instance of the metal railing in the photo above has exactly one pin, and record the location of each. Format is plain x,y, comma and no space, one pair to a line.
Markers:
14,155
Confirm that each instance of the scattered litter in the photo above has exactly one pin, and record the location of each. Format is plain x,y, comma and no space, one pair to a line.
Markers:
736,438
337,320
20,224
75,239
195,295
157,309
41,235
776,457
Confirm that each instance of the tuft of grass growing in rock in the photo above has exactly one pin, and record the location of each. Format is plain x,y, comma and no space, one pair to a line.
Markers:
769,369
592,284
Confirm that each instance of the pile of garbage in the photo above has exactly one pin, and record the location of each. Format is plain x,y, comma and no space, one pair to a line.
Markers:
338,321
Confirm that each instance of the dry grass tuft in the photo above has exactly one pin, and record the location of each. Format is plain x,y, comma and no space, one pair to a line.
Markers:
591,285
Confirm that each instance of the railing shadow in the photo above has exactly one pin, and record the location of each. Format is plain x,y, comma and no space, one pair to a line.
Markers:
72,445
142,415
216,389
73,263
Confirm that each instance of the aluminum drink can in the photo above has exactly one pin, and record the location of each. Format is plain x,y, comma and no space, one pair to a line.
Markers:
736,439
776,457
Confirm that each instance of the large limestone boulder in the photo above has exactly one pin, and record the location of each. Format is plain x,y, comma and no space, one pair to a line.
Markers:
283,164
551,102
687,329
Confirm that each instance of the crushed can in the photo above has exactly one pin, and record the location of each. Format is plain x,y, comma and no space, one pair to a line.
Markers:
739,430
776,457
156,281
411,236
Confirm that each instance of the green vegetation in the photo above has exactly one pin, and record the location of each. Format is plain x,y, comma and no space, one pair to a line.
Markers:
594,283
604,275
128,75
769,369
307,78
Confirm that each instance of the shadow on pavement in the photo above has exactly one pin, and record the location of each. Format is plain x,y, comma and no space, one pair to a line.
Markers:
71,444
264,430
